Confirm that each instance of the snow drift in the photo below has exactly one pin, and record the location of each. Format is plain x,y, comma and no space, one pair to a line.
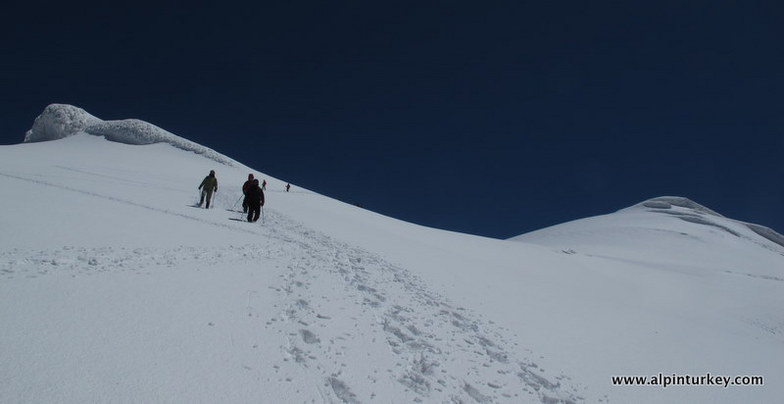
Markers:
114,288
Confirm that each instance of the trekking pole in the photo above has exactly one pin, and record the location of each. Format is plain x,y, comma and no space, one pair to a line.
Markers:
235,203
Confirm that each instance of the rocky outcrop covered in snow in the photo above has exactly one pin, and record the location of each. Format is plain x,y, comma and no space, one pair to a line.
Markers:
60,120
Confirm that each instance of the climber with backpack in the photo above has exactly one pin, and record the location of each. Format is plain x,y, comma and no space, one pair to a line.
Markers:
207,187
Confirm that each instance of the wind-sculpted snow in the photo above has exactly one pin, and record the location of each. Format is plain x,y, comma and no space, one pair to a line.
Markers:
667,202
59,121
693,212
767,233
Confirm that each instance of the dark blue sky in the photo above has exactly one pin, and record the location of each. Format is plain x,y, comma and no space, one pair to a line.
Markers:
492,119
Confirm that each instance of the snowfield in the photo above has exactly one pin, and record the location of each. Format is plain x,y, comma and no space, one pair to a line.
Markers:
115,288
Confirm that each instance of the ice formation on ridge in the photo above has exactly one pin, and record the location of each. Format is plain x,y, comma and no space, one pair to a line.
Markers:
58,121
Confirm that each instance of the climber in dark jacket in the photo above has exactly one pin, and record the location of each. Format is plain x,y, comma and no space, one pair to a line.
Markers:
245,187
255,199
207,187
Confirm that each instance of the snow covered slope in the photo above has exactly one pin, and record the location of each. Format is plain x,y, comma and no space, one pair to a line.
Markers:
674,231
114,288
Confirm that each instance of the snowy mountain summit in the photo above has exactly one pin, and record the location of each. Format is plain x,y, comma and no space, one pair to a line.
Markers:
116,287
58,121
690,211
659,213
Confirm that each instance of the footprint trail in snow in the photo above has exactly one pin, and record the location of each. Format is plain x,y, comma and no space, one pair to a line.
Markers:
408,335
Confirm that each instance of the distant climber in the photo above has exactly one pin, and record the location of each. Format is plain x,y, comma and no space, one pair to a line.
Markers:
207,187
255,200
264,185
287,187
245,188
